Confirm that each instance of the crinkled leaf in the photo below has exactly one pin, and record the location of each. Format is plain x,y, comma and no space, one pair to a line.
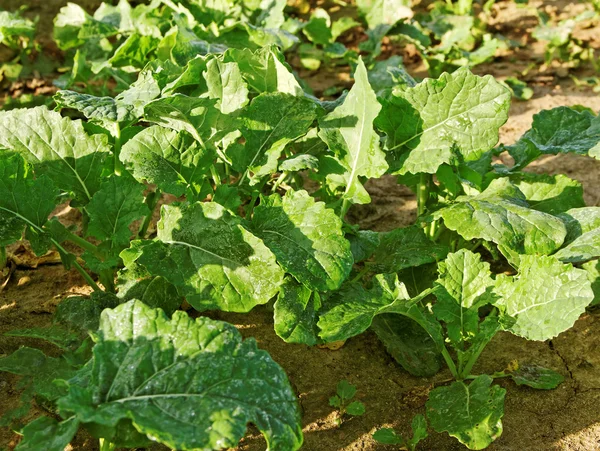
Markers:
545,298
25,203
549,193
172,160
48,434
500,214
408,343
537,377
264,70
295,314
426,124
350,310
73,26
118,203
349,134
583,235
406,247
465,283
559,130
212,260
97,109
306,237
225,83
471,413
269,123
189,384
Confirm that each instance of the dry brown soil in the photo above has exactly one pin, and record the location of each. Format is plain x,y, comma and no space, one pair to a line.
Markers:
566,419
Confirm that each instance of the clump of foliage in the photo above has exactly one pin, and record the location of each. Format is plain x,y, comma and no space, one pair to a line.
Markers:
218,131
388,436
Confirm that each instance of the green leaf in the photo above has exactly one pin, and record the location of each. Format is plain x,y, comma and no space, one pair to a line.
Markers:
73,26
593,272
134,52
172,160
225,83
118,203
14,27
419,429
466,284
408,343
537,377
39,370
306,237
189,384
56,335
335,401
57,147
264,70
559,130
101,110
384,12
363,244
355,408
545,298
549,193
500,214
295,314
471,413
212,260
387,436
406,247
269,123
318,28
583,235
345,390
48,434
429,124
299,163
350,310
82,313
25,203
349,134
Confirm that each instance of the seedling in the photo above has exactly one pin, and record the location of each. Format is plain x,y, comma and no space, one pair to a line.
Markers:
343,402
388,436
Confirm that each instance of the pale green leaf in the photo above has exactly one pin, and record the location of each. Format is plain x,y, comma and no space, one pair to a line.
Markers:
225,83
583,235
384,12
549,193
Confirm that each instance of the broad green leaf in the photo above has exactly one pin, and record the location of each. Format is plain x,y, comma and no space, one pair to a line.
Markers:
537,377
197,116
264,70
363,244
583,235
349,134
228,196
57,147
181,44
39,370
225,83
593,272
48,434
345,390
406,247
408,343
295,314
545,298
341,25
355,408
25,203
189,384
419,430
14,27
191,80
269,123
118,203
172,160
350,310
318,28
212,260
384,12
73,26
97,109
271,14
549,193
471,413
429,124
56,335
299,163
306,237
82,313
466,283
559,130
500,214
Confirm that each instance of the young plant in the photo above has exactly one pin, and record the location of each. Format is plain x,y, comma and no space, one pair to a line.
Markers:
342,400
388,436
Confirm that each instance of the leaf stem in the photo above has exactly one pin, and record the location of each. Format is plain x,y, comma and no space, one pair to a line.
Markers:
77,266
496,375
2,257
215,175
360,274
117,150
279,181
82,243
345,207
449,362
151,201
423,193
105,445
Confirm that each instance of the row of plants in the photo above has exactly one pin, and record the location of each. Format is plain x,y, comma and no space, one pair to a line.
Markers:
218,133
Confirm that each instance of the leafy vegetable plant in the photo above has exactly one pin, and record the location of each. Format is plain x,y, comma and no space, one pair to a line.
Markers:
254,180
343,401
388,436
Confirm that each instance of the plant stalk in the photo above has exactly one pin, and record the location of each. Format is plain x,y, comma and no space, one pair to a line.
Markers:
450,362
423,193
279,181
77,266
83,243
117,150
3,257
215,175
151,201
345,207
105,445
